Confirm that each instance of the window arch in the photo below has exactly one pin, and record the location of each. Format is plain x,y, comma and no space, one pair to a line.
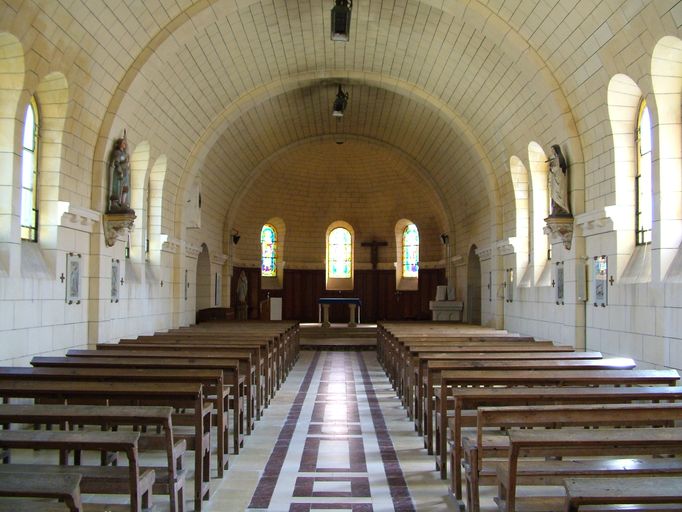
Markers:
643,190
410,256
29,173
340,251
268,249
339,259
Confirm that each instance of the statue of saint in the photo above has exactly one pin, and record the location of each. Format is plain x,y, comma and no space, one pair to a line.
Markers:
242,289
558,183
119,178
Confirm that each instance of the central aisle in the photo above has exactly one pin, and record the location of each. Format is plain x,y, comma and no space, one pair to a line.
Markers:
334,438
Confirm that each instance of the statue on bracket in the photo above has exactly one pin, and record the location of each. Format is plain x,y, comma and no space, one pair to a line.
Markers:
558,183
559,224
119,178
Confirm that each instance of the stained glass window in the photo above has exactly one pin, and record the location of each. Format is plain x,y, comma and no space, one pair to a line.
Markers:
643,194
340,251
268,247
29,174
410,251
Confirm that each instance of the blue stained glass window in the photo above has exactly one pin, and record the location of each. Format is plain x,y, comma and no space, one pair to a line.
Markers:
410,251
340,251
268,244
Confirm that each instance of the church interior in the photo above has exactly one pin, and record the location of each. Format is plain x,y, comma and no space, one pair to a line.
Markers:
291,169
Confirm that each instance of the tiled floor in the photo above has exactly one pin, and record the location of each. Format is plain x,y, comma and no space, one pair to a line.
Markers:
335,438
341,441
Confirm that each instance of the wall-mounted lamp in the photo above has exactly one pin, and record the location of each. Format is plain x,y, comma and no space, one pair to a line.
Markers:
444,238
341,20
340,103
235,236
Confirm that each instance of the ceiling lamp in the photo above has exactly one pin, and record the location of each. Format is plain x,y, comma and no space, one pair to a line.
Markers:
341,20
340,103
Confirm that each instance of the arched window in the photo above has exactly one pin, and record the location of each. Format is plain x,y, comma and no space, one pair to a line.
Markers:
410,251
29,174
340,250
643,190
268,251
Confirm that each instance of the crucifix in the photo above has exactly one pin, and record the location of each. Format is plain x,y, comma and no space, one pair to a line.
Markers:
374,247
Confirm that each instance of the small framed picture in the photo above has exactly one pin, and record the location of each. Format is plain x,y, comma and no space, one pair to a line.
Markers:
73,278
509,285
559,282
115,278
601,281
186,282
218,288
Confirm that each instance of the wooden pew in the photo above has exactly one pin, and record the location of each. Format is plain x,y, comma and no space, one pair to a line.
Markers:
170,479
483,444
139,483
229,367
65,488
605,444
255,367
434,370
555,377
626,491
468,399
164,393
422,360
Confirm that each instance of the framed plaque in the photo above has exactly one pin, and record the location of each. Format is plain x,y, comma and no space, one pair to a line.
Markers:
73,278
115,278
601,281
559,282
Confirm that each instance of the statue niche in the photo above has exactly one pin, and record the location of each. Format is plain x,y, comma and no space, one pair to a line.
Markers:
119,217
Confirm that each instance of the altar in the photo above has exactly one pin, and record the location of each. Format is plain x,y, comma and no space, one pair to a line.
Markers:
323,304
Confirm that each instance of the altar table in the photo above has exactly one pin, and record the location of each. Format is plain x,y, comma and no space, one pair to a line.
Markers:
323,304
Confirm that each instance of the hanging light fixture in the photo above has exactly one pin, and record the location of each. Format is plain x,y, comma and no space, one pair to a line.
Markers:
340,103
341,20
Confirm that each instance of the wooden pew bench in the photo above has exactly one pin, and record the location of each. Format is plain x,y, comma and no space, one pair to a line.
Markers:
583,492
179,364
483,447
468,400
451,380
35,484
422,360
176,395
169,479
583,453
95,479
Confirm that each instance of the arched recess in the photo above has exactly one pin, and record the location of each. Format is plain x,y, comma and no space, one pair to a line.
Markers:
624,97
139,173
519,177
203,279
539,211
12,69
276,282
473,287
666,76
156,180
402,282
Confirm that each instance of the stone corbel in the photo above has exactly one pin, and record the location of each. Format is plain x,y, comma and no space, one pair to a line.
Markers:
219,259
170,245
192,251
603,220
506,246
561,228
484,253
116,224
80,219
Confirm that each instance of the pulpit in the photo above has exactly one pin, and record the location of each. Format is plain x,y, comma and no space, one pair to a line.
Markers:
445,308
271,308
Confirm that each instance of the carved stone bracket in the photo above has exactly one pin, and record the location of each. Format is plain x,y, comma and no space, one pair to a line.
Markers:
192,251
485,253
561,227
116,224
219,259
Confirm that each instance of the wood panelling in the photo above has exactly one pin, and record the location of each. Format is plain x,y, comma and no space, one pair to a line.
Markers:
376,290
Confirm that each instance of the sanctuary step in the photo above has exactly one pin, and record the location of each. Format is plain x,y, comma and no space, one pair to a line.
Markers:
338,337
